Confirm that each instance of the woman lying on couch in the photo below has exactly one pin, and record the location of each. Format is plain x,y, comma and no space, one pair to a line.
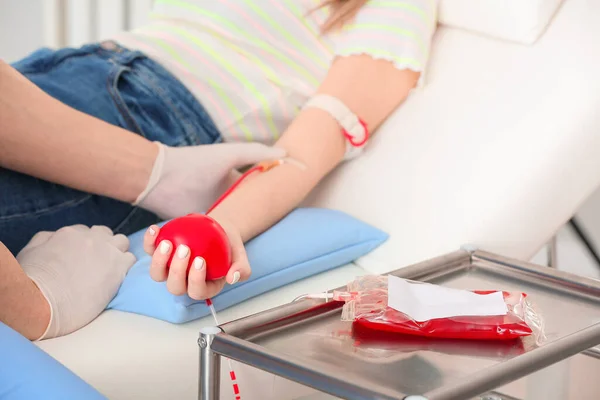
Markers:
313,78
354,60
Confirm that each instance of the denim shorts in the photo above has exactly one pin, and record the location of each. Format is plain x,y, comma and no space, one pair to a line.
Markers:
122,87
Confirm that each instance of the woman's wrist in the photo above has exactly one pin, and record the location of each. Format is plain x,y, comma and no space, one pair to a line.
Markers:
139,165
221,217
23,306
41,313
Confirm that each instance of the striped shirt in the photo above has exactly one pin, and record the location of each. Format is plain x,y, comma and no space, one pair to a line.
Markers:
254,63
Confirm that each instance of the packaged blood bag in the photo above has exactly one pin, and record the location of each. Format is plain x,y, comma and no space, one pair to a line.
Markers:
396,305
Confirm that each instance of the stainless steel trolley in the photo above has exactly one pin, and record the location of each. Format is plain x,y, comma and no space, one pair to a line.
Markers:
298,341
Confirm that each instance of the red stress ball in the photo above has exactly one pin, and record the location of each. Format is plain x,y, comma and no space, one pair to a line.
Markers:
204,237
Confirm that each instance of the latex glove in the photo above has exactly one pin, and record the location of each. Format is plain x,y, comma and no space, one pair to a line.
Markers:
189,179
78,270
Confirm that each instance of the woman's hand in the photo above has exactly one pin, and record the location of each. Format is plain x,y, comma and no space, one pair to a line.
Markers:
194,283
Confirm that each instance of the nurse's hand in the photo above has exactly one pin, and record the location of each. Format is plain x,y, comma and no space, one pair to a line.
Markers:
78,270
180,282
189,179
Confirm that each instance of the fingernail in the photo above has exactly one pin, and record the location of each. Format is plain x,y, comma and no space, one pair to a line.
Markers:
164,247
199,263
182,251
151,231
236,277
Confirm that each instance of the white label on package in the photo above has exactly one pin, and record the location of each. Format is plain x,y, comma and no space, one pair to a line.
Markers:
424,301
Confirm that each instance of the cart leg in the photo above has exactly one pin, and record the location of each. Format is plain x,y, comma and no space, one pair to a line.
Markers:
210,366
551,251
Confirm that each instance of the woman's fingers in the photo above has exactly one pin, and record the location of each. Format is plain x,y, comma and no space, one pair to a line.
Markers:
150,238
177,279
214,287
198,287
158,267
240,267
197,280
180,279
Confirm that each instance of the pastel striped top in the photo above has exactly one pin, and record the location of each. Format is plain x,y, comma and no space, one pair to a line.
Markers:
254,63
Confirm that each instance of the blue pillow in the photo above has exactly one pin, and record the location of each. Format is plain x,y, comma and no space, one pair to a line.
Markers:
306,242
27,372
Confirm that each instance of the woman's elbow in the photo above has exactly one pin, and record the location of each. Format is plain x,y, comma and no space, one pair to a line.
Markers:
372,88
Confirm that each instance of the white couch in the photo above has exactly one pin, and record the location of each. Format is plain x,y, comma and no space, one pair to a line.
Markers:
498,150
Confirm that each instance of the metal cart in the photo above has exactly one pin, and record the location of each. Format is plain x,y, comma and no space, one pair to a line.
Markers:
304,341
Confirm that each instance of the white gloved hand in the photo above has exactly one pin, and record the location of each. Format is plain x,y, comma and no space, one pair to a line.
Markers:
189,179
78,270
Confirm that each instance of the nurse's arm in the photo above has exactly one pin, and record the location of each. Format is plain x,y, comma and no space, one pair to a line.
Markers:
42,137
371,88
22,305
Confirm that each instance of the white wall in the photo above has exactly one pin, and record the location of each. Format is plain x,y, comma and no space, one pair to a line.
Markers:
589,218
21,28
26,25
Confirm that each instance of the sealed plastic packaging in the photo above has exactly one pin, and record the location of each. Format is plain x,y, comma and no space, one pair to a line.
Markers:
366,305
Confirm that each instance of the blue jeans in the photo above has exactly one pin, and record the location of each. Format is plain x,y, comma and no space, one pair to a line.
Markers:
122,87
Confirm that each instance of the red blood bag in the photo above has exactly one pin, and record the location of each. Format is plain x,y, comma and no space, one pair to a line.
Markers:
366,305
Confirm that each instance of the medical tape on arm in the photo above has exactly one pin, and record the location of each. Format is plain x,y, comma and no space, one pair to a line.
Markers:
353,128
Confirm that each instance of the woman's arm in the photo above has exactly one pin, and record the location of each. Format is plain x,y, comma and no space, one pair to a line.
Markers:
380,54
372,89
380,51
42,137
22,305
